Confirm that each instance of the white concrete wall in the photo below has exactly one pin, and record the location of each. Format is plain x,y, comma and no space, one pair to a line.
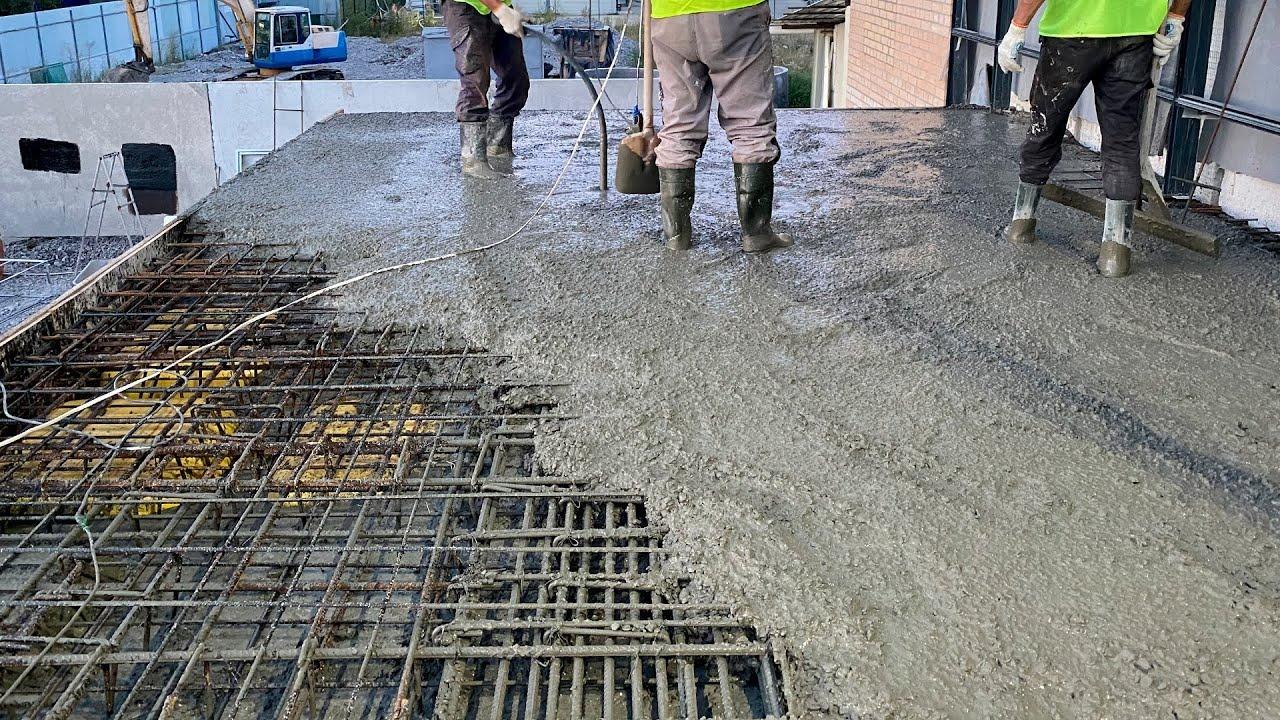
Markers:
253,117
210,127
99,118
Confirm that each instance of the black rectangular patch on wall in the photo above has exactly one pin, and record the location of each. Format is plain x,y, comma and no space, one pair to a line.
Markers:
152,171
44,155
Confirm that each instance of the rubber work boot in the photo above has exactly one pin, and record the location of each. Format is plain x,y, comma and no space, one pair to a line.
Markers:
1117,238
501,156
499,137
1022,229
754,183
475,161
677,187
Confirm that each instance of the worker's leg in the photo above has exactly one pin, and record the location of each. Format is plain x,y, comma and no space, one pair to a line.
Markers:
471,35
512,91
739,55
686,108
686,91
1065,67
1120,88
510,95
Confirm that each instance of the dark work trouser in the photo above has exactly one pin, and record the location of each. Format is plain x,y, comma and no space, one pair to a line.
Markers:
1120,70
481,45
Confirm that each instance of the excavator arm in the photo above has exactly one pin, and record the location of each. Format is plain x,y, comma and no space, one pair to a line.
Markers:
139,27
138,69
243,11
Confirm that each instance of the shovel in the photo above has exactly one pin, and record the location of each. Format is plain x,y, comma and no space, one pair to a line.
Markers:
637,169
1151,189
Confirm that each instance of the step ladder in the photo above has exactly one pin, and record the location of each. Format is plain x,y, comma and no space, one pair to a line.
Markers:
107,189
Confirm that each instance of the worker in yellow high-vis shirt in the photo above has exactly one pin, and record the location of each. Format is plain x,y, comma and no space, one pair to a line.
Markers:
487,37
1110,44
720,46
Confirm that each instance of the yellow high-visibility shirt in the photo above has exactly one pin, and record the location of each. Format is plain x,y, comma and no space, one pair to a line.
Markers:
672,8
1103,18
479,6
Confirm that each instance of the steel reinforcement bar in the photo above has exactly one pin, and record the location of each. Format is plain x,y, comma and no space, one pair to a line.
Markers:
317,518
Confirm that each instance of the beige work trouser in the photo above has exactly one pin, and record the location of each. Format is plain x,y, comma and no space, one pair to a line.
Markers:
730,53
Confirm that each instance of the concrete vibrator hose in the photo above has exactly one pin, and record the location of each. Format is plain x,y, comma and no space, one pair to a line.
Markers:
595,98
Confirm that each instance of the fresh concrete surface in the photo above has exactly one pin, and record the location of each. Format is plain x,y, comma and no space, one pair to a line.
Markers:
957,478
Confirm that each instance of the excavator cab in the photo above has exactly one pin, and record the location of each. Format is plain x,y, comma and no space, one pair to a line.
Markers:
284,38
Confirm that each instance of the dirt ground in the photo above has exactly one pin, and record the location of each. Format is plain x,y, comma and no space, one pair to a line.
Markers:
368,58
30,287
957,478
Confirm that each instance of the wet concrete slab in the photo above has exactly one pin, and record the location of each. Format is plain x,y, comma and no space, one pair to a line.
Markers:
958,478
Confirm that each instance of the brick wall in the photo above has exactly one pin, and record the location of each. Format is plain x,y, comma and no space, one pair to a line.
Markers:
898,53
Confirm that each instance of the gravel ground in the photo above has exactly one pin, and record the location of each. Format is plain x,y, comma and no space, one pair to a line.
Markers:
22,295
367,59
957,478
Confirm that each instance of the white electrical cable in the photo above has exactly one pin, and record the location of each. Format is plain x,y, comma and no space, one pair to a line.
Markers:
180,382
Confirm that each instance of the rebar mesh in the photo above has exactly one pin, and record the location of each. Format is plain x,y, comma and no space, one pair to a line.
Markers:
320,519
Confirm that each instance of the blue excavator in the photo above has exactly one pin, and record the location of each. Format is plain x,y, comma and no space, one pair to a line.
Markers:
279,41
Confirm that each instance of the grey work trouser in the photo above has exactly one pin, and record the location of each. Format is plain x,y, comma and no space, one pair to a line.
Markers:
730,53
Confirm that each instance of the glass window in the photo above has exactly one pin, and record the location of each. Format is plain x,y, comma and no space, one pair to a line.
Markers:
304,27
262,36
287,30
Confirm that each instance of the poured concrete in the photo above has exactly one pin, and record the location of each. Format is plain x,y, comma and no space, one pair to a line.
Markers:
957,478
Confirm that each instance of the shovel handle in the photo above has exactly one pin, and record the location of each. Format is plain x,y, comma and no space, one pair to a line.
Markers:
646,28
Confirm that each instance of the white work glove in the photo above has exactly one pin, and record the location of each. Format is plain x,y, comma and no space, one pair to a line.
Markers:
1009,54
1166,41
510,19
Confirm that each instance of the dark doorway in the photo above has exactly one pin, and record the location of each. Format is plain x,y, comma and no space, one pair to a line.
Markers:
152,171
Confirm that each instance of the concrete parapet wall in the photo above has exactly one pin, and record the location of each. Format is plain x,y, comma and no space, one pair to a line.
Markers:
98,119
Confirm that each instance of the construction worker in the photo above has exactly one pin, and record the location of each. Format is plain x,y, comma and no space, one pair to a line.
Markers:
487,35
1111,44
701,46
